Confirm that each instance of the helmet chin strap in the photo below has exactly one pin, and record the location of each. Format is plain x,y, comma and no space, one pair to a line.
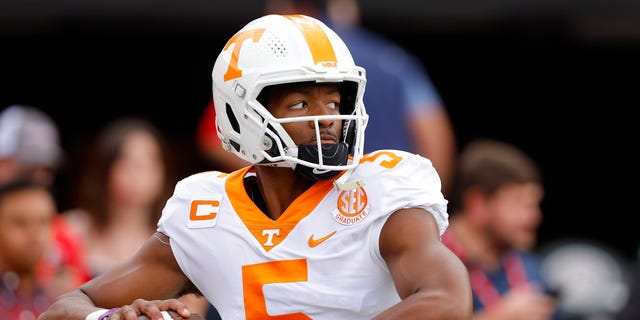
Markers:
335,154
332,154
341,185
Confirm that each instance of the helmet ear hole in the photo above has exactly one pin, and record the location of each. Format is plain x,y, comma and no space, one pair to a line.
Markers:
235,145
234,125
273,150
232,119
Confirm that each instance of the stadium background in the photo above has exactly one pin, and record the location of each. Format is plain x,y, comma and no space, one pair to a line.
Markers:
557,78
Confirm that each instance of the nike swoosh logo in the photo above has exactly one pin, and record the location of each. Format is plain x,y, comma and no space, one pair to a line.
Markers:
314,242
318,171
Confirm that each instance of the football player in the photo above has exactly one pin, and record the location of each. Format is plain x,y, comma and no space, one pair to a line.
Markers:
313,228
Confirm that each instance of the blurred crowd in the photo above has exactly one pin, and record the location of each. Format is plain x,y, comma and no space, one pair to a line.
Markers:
127,171
123,180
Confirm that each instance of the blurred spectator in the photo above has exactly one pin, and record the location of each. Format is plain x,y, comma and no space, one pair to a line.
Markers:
30,150
27,209
408,111
495,214
29,145
120,193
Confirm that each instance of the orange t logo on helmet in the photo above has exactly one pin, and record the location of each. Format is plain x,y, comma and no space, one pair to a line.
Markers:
317,41
238,39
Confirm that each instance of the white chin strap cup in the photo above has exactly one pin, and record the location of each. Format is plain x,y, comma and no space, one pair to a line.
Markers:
341,185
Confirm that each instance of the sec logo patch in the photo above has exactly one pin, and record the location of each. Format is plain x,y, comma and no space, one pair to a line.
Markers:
352,206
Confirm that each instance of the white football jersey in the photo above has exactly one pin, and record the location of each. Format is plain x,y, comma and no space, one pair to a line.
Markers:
319,260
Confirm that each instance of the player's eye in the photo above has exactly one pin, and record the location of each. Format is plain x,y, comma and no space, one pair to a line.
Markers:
298,106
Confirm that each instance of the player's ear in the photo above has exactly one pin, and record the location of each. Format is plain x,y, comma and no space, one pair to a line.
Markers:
475,203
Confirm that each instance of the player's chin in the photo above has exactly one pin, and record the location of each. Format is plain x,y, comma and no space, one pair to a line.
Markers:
172,315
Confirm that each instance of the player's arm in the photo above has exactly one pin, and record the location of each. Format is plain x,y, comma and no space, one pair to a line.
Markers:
432,282
151,275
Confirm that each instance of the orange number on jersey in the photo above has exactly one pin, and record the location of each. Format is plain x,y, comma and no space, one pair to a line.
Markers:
257,275
388,163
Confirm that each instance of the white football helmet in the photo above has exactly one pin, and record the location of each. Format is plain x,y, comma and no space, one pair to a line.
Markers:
280,49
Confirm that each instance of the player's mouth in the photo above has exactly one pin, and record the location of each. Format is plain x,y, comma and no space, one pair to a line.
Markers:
326,140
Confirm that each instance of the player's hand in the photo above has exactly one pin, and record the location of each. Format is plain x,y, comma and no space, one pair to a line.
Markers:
151,309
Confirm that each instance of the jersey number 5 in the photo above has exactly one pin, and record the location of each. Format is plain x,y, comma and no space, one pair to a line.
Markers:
256,275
